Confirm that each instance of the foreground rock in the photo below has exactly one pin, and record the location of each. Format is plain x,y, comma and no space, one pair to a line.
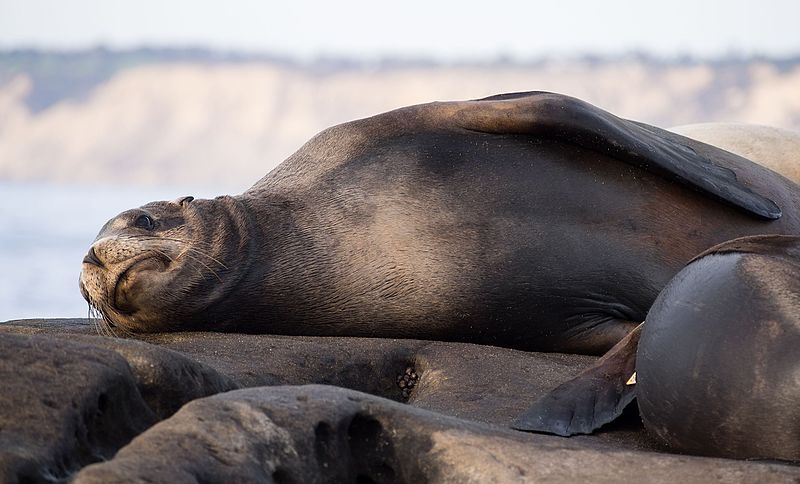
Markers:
327,434
64,405
275,433
68,403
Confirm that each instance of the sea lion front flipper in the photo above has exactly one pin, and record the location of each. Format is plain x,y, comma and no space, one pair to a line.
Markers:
592,399
573,121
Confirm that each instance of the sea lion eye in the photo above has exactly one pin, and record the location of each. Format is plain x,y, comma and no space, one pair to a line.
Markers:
144,222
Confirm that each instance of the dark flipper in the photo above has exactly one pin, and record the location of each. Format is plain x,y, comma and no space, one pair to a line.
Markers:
573,121
592,399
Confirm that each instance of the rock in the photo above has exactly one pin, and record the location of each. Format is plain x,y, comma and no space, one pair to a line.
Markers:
64,405
326,434
461,398
50,326
482,383
165,378
69,402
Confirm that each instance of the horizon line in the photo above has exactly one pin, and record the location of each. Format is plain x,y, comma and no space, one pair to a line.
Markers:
217,54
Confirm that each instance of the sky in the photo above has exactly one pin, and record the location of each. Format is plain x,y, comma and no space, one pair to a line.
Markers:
443,30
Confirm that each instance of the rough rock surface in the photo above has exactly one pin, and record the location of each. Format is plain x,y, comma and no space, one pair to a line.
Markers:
64,405
462,398
327,434
69,402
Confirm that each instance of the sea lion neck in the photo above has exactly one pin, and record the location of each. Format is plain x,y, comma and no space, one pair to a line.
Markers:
225,224
283,231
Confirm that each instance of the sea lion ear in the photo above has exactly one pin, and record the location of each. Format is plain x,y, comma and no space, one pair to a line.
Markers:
183,201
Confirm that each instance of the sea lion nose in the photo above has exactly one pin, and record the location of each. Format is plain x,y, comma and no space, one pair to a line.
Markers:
91,258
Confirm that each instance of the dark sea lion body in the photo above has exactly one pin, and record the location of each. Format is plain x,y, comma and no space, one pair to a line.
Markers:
525,221
718,364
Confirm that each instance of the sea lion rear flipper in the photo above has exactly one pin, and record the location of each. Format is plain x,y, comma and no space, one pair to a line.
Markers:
573,121
592,399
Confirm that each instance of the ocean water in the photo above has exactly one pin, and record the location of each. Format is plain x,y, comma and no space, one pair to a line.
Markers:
46,229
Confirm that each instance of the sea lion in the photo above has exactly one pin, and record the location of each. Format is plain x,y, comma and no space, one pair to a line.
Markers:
718,368
530,220
716,364
776,148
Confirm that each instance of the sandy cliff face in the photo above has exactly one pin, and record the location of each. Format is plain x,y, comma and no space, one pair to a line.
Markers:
228,124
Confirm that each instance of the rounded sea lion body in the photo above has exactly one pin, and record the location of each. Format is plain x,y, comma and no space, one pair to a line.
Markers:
718,368
776,148
531,221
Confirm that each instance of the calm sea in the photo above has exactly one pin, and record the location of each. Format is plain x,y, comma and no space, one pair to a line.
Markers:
45,230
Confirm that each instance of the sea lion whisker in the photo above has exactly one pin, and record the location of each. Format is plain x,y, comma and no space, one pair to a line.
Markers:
110,326
100,322
186,246
110,329
103,321
193,248
161,252
125,332
204,265
194,266
185,252
92,317
103,324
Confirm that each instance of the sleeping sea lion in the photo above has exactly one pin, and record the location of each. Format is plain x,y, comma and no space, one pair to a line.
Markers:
718,367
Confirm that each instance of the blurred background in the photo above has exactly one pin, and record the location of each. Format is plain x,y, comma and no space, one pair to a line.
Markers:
106,105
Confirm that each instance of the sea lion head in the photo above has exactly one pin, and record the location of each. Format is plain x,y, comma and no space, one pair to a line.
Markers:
165,265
